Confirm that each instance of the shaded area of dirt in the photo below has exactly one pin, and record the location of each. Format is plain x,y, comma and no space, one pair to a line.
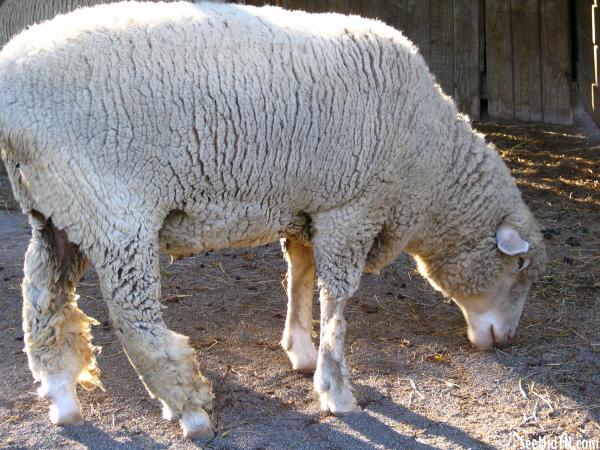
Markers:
419,381
7,200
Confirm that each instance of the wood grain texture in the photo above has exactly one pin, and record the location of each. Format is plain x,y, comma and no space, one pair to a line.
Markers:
585,92
311,5
583,11
442,43
595,106
527,71
595,23
359,7
499,59
589,95
418,25
587,56
482,35
393,12
466,57
556,61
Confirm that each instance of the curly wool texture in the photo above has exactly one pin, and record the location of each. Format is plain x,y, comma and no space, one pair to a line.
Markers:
16,15
225,125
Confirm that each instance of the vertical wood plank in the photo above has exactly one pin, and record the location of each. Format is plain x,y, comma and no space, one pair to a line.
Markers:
585,11
584,16
318,5
349,6
393,12
586,73
527,60
466,57
314,5
359,7
499,59
340,6
595,23
442,43
587,56
418,25
556,61
371,9
594,108
482,36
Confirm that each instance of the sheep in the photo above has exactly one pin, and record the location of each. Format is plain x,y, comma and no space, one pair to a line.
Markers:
132,128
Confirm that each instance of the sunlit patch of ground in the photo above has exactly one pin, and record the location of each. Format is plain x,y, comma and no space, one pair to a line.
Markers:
558,170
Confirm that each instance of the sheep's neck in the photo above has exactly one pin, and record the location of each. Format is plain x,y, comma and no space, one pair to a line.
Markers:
470,201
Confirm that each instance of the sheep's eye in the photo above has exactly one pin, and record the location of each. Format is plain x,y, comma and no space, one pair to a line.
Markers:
521,263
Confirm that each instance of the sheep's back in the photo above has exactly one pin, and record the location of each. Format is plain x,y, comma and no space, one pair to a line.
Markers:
225,101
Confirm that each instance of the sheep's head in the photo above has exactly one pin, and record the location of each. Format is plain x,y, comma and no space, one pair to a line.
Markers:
489,276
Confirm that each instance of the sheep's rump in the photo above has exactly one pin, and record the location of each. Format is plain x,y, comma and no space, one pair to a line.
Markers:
233,115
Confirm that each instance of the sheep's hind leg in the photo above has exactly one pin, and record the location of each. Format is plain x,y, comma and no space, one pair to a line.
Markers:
130,280
297,341
57,333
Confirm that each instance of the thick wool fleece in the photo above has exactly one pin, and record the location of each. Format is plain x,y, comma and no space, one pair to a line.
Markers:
226,125
16,15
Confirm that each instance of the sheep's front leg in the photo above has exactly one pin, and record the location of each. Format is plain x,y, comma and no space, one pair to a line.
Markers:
56,332
341,240
332,378
164,360
297,341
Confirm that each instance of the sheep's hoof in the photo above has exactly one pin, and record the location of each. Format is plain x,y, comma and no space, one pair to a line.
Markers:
64,406
196,425
301,353
65,414
304,362
342,404
305,370
342,413
167,413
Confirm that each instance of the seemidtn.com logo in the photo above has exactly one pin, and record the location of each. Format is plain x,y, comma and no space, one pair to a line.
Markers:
562,442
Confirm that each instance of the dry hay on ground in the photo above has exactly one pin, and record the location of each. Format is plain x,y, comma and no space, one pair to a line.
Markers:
558,171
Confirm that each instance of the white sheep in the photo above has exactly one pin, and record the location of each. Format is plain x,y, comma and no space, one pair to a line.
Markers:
132,128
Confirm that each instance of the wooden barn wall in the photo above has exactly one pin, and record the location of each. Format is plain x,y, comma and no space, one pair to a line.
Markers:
528,60
588,38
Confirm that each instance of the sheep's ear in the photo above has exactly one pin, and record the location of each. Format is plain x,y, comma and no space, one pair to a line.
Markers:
509,241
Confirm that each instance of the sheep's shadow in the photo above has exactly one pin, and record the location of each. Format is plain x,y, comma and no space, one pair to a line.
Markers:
94,438
272,423
302,431
373,429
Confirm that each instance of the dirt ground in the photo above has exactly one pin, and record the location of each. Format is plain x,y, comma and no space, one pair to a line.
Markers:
420,383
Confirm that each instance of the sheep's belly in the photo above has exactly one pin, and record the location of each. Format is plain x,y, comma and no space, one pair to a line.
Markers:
181,235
